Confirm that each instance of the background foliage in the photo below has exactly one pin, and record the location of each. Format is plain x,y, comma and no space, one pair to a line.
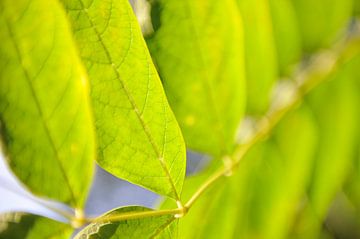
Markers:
85,80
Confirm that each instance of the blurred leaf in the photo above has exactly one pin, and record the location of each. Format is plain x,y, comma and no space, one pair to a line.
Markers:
215,212
22,226
286,34
260,54
219,212
357,8
352,187
274,177
282,176
150,227
336,107
197,46
260,199
321,21
138,136
44,109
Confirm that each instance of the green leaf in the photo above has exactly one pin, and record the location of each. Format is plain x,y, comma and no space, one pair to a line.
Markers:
24,226
321,21
286,35
260,53
44,108
150,227
356,8
197,46
138,136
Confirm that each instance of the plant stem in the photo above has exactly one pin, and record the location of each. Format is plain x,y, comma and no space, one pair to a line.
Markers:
135,215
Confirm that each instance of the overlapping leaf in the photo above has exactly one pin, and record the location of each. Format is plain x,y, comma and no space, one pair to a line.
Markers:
197,46
138,136
45,117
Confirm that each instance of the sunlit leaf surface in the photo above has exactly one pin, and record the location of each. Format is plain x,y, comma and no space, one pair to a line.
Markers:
138,136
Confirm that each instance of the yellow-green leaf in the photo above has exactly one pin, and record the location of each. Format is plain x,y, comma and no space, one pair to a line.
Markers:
45,117
197,46
138,136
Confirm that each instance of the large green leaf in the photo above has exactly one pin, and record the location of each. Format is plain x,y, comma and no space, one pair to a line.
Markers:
197,46
321,21
143,228
286,35
138,136
260,54
23,226
44,108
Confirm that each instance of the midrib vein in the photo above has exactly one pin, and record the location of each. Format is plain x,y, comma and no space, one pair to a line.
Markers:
44,123
130,98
